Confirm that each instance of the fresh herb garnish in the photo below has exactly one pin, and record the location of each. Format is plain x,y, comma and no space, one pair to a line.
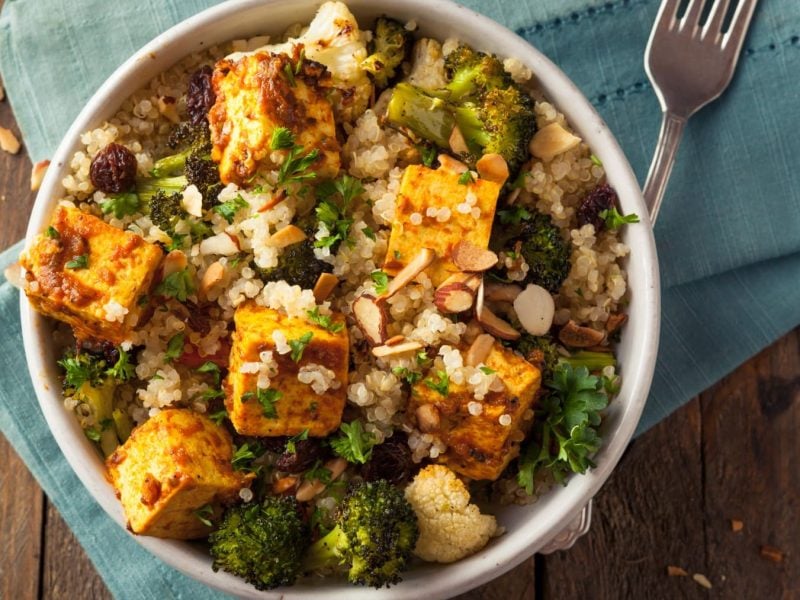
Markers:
428,155
324,321
204,515
92,433
80,368
440,384
211,369
295,165
177,285
121,205
318,472
78,262
219,416
614,220
487,370
466,178
122,370
267,399
52,233
353,443
291,443
174,347
411,377
299,345
334,215
514,215
244,455
211,394
176,242
398,255
381,281
289,72
281,139
227,210
596,160
367,231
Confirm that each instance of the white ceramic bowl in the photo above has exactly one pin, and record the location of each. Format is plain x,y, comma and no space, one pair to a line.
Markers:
528,528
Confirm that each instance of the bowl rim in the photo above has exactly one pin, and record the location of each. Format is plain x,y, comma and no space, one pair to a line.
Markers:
438,581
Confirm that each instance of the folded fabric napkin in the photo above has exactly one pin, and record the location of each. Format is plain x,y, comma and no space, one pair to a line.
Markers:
728,235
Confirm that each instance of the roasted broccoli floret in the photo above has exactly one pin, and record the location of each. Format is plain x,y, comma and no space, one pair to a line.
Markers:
493,114
165,210
389,45
262,543
375,533
593,361
539,350
297,265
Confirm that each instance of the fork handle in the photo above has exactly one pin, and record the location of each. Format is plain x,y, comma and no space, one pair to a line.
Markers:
668,141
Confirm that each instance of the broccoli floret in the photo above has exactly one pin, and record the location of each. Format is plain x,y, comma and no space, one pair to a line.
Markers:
593,361
262,543
389,45
165,210
297,265
473,73
375,533
538,350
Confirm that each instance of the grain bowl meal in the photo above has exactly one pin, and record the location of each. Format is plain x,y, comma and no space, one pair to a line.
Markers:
321,296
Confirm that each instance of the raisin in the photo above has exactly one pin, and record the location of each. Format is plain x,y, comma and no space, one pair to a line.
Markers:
601,198
306,453
113,169
200,96
390,460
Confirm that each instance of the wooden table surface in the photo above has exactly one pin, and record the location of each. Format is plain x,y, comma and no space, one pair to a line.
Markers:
731,454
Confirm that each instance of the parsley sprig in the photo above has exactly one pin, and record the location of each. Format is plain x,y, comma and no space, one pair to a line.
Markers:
296,164
86,367
353,443
267,398
333,209
178,285
324,321
227,210
291,443
441,383
298,346
124,204
614,220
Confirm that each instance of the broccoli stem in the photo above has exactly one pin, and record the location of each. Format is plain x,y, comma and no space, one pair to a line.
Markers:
147,188
325,552
425,115
170,165
593,361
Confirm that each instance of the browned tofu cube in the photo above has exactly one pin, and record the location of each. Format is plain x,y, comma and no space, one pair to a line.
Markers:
291,404
89,274
258,93
481,446
174,464
422,189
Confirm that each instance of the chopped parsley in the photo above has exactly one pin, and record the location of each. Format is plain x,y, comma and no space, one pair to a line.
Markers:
211,369
319,473
411,377
52,233
488,370
211,394
466,178
244,455
299,345
124,204
176,242
174,347
295,166
441,384
227,210
324,321
178,285
78,262
428,155
614,220
381,281
289,72
398,255
82,368
267,399
353,443
514,215
333,214
204,514
92,433
122,370
281,139
596,160
367,231
219,416
291,443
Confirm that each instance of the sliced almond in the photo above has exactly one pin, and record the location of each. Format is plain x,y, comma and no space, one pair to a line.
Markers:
674,571
454,298
221,244
192,201
491,322
37,174
479,350
614,322
469,257
473,330
371,318
396,349
395,339
13,275
552,140
417,265
284,484
702,580
428,418
277,197
324,286
575,336
492,167
168,107
457,142
287,236
309,489
210,284
8,141
502,292
173,262
451,165
535,309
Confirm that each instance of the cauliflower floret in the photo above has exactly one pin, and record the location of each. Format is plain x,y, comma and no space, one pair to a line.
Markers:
427,67
450,528
334,39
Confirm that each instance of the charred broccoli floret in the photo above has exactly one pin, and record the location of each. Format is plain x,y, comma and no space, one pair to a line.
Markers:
374,536
539,350
389,45
166,210
493,114
297,265
262,543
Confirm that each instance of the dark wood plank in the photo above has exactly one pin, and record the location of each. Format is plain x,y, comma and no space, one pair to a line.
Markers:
751,451
66,570
517,584
649,515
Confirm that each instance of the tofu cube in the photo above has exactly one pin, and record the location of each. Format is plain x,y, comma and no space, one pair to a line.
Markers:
89,274
255,95
299,405
422,189
481,446
172,465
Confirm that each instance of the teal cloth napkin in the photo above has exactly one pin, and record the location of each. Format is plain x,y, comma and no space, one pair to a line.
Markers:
728,235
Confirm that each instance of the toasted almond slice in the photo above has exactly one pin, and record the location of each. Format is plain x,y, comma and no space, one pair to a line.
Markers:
416,265
469,257
284,484
535,309
324,286
287,236
457,142
492,167
552,140
491,322
451,165
168,107
702,580
221,244
37,174
473,330
309,489
276,198
8,141
502,292
575,336
192,201
614,322
479,350
212,278
396,349
371,318
456,294
395,339
173,262
13,275
428,418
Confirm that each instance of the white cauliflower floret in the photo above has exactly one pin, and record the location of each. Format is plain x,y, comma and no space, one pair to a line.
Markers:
427,67
334,39
450,528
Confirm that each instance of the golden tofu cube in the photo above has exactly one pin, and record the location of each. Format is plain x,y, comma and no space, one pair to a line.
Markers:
299,406
422,188
260,92
89,274
481,446
174,464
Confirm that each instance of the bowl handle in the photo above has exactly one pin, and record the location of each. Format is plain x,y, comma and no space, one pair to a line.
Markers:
565,539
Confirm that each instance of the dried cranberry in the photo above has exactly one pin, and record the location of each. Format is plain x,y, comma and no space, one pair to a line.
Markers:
601,198
113,169
200,96
305,455
390,460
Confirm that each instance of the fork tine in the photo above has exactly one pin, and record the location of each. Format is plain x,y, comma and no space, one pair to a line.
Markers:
666,14
692,16
739,24
716,17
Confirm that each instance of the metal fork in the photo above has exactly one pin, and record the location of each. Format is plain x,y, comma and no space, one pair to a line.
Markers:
689,64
